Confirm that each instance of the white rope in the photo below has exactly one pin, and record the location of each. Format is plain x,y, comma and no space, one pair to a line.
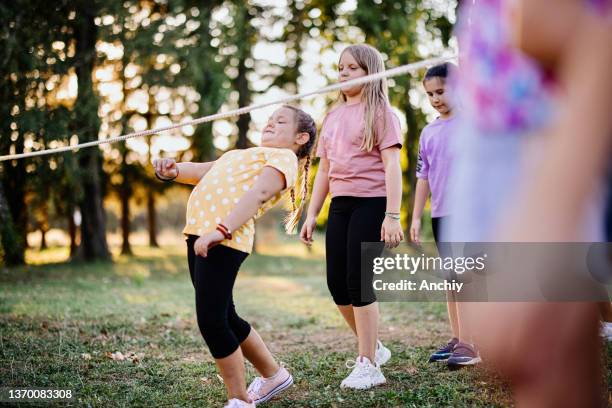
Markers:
240,111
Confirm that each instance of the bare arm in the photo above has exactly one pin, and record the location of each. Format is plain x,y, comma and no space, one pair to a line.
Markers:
544,38
320,189
186,173
319,193
192,173
420,198
269,183
578,143
391,229
393,178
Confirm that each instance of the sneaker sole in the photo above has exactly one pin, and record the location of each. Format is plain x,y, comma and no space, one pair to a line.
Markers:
386,355
472,361
433,359
275,391
365,387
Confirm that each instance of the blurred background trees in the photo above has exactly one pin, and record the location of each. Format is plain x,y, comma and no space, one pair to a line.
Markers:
77,71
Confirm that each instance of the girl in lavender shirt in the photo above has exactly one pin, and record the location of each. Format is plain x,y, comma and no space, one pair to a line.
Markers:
433,169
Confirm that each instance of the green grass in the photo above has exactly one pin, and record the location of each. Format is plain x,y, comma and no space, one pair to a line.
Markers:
59,322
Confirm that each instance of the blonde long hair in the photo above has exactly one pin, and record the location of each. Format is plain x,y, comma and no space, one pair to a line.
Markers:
304,124
375,94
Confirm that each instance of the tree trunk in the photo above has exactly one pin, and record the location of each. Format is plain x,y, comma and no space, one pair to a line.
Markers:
151,214
72,232
125,192
44,225
93,227
126,249
43,239
207,86
15,185
12,243
152,219
241,83
411,144
244,98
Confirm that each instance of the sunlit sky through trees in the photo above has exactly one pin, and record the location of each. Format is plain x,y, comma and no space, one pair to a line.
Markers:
175,104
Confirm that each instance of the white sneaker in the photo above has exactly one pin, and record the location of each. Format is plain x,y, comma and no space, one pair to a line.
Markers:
364,375
238,403
382,355
606,331
264,389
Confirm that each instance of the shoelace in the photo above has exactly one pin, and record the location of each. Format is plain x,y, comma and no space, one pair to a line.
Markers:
256,385
234,404
350,363
359,369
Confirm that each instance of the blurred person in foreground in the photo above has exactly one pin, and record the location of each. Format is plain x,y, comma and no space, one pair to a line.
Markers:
536,141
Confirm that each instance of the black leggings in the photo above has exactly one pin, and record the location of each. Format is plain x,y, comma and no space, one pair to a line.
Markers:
351,221
213,278
435,227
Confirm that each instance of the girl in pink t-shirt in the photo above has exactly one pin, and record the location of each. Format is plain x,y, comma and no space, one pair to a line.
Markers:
359,165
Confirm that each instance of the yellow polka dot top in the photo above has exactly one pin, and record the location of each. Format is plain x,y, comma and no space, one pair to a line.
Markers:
232,175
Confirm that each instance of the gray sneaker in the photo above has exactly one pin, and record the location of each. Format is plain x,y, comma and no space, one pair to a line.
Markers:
463,354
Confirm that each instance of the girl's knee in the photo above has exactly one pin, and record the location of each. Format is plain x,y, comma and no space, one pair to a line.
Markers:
339,294
240,327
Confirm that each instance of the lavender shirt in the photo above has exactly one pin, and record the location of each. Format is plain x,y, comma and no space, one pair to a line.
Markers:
434,161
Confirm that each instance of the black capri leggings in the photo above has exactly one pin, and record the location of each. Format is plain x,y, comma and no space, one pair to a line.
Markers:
351,221
213,278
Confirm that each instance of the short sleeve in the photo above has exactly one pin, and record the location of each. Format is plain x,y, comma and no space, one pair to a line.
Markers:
388,131
422,167
321,151
285,161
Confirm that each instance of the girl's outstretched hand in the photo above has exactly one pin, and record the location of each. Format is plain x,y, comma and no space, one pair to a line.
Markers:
206,241
307,230
166,168
391,232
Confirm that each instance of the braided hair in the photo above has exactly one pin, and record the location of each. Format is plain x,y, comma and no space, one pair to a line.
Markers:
305,124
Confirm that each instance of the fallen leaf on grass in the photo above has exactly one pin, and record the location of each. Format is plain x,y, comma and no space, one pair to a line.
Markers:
86,356
135,357
116,356
119,356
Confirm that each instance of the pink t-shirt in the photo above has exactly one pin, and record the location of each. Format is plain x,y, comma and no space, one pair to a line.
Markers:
353,172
